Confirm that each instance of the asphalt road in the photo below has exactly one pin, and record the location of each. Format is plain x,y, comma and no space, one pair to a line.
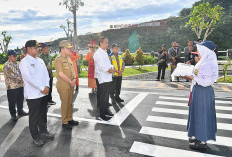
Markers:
151,122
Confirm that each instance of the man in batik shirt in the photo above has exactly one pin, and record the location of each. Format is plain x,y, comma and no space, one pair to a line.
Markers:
14,85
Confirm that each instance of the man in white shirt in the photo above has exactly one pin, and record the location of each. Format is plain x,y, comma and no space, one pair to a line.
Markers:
36,89
104,72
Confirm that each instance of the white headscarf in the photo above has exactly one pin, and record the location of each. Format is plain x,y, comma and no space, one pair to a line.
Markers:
209,60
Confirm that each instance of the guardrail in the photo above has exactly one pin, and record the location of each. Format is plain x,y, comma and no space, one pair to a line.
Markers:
221,54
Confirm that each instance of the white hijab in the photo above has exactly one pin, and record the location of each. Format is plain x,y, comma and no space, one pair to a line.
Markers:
208,58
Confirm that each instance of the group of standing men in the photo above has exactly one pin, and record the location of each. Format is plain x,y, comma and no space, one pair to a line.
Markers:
33,76
172,56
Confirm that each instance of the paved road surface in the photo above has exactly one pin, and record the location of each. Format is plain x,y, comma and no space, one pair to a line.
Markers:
151,122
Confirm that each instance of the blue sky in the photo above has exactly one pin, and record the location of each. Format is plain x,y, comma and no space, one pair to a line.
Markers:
40,19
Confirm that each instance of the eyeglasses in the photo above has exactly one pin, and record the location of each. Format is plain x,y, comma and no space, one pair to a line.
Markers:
196,55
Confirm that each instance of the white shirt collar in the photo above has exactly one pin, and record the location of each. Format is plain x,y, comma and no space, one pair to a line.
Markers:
102,49
30,57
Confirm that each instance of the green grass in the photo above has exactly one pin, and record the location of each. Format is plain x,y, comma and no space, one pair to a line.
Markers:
136,71
83,74
227,80
127,71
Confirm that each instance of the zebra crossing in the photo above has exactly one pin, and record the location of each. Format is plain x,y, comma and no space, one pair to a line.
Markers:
173,110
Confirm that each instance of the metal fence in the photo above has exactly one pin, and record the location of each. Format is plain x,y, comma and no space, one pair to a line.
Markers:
221,54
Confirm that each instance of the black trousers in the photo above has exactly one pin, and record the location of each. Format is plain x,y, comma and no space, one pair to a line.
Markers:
103,98
161,68
115,89
37,116
50,89
15,96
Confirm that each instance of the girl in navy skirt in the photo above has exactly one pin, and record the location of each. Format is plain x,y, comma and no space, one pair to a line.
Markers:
202,125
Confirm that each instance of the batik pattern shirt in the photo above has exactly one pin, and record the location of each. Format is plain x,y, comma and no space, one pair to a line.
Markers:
12,74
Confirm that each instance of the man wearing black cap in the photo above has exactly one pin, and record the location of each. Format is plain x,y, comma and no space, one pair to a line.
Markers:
36,80
14,85
119,66
46,57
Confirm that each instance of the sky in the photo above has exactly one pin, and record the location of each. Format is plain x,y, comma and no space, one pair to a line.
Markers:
41,19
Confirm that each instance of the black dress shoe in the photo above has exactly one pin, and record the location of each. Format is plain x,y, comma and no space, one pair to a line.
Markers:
118,99
104,118
22,113
38,143
73,123
109,114
157,79
67,126
48,135
51,102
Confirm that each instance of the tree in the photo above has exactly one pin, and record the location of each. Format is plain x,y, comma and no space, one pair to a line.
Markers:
139,57
73,6
4,43
225,66
68,31
205,18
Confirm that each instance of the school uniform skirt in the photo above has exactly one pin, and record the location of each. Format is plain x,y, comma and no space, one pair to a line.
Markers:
202,115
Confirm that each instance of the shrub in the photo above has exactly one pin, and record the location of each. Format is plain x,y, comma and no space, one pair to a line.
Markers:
128,58
139,57
149,59
3,58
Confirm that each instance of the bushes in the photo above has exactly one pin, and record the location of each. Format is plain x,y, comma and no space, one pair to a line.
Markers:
128,58
149,59
3,58
138,58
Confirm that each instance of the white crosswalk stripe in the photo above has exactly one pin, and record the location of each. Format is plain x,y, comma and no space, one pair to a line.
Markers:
226,108
186,99
167,120
177,106
160,151
185,112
